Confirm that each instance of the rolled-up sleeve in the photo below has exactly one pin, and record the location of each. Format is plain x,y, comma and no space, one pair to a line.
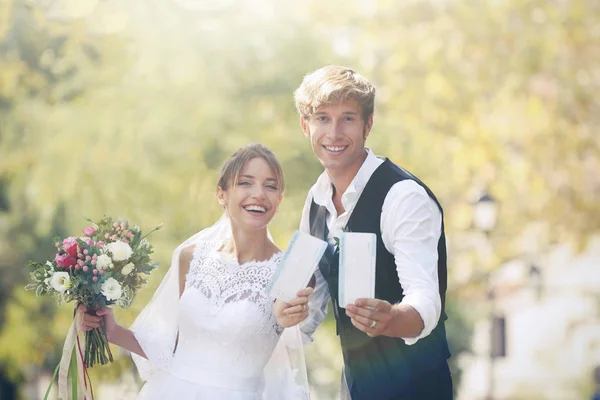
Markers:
317,302
411,227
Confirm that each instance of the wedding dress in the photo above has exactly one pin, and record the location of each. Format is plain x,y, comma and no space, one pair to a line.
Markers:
228,343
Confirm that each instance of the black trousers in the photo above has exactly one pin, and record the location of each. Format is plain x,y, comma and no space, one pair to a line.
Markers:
435,385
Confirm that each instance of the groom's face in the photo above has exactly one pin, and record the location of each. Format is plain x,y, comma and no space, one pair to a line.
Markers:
337,133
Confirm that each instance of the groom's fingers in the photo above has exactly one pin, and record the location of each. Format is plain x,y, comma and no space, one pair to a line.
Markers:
366,313
364,321
359,325
375,304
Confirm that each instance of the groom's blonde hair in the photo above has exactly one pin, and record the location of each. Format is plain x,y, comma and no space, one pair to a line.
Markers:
333,84
232,168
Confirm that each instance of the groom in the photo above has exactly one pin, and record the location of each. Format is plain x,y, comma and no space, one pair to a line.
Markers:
394,345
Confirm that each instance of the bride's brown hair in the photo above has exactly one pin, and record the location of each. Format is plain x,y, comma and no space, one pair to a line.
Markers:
232,168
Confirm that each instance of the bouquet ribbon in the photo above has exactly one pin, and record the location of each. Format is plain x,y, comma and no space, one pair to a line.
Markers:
71,341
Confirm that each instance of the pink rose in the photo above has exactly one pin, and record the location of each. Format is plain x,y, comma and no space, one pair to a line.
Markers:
70,246
65,260
89,231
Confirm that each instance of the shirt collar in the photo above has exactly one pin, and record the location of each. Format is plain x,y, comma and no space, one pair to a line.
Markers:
322,191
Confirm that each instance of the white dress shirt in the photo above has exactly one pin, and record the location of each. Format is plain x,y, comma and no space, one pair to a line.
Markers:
410,225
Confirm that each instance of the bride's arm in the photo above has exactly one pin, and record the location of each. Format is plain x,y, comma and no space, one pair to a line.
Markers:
115,333
119,335
185,258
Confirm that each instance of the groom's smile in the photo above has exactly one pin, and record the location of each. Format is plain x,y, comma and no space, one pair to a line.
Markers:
335,149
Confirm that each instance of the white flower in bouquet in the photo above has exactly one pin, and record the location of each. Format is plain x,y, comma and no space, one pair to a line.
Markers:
60,281
120,251
103,261
111,289
127,269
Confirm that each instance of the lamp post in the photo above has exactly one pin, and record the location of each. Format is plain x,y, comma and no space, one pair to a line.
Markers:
535,277
485,213
485,216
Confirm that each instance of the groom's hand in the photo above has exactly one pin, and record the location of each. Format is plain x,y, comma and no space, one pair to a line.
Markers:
371,316
294,312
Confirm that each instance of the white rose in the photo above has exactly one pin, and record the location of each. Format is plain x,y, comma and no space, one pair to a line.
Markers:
111,289
127,269
120,251
60,281
103,261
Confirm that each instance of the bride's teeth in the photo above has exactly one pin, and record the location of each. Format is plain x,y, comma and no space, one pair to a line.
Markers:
256,208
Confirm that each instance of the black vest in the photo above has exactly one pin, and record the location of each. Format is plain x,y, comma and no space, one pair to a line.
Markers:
383,367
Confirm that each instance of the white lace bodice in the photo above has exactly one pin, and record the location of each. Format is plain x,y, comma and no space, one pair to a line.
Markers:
227,330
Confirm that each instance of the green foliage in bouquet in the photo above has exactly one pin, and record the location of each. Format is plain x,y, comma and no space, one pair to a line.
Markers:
108,265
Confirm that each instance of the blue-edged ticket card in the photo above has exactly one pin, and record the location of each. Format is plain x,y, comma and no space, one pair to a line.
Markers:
296,266
357,267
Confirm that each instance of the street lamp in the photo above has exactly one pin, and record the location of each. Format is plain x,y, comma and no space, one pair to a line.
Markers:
485,213
485,217
535,277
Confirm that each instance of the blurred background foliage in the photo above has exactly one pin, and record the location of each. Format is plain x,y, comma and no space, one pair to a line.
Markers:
128,108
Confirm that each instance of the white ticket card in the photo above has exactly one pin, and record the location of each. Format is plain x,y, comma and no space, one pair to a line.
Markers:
296,266
357,267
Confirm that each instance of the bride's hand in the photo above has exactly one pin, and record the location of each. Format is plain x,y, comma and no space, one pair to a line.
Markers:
294,312
90,321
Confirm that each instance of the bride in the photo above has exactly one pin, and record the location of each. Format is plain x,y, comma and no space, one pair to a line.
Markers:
211,331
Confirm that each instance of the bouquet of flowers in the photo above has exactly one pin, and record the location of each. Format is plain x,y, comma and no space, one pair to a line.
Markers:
107,266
